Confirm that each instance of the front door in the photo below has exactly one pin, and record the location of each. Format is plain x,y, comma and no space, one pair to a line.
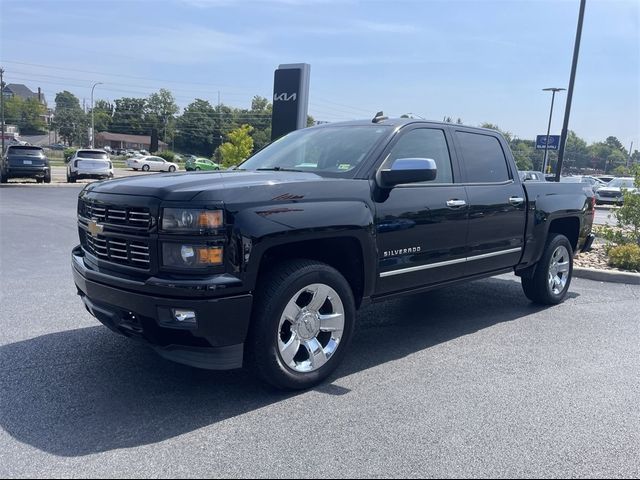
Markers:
422,227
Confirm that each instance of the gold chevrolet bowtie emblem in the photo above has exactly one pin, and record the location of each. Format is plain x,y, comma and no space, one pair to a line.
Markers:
95,228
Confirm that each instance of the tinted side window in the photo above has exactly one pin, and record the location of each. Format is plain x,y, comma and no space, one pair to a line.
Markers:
483,158
424,143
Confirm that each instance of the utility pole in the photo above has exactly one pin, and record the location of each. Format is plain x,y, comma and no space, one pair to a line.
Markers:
2,107
572,81
92,126
546,145
629,162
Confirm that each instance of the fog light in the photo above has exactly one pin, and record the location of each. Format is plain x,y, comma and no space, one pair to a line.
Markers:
184,316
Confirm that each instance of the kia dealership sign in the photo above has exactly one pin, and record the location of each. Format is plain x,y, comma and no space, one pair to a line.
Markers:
290,99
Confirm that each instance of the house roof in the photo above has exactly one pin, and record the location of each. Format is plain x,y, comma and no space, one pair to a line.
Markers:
22,91
124,137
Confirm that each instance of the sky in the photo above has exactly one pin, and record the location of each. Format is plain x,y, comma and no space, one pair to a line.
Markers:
478,60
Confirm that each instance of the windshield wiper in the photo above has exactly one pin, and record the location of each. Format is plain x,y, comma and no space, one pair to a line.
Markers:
277,169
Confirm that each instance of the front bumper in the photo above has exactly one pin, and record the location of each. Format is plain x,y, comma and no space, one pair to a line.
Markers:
215,342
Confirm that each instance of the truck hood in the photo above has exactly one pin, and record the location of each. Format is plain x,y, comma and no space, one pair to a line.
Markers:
184,187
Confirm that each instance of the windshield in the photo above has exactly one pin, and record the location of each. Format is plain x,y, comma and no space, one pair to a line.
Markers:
92,154
621,183
326,150
26,151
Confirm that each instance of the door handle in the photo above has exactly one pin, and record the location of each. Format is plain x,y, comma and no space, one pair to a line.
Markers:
455,203
516,201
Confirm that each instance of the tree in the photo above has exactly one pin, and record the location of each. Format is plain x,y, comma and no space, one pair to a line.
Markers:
160,110
69,119
614,143
129,116
523,154
238,147
507,135
28,115
102,115
195,128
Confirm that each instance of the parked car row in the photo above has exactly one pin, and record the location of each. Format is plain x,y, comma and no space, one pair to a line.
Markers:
607,189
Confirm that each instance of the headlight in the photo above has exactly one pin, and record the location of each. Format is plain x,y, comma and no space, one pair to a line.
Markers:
183,256
190,220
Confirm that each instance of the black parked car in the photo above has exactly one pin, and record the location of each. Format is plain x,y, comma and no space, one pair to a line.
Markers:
25,161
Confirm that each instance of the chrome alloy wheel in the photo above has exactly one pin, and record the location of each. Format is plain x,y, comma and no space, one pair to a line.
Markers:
311,328
559,270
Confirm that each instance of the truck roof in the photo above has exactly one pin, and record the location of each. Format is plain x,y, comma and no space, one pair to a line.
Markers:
400,122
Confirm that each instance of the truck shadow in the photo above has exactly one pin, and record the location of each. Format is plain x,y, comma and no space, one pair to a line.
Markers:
86,391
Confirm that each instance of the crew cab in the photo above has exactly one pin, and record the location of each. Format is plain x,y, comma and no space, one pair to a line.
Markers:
25,161
266,264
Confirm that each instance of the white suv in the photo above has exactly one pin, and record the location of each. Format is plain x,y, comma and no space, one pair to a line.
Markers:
89,163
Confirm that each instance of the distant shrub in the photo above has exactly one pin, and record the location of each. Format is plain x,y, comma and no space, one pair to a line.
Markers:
168,155
68,153
626,257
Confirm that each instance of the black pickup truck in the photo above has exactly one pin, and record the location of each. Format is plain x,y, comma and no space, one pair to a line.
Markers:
266,264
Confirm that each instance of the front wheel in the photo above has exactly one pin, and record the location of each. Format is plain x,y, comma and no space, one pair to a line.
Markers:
303,322
145,168
550,283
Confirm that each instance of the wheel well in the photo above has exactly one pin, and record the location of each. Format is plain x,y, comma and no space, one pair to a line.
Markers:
344,254
569,227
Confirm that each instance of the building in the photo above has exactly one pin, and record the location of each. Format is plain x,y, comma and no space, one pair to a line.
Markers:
24,92
123,140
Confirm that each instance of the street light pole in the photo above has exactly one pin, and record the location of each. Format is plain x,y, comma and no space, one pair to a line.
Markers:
572,80
546,145
92,130
2,107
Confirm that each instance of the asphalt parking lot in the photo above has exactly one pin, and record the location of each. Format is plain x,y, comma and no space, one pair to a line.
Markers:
473,381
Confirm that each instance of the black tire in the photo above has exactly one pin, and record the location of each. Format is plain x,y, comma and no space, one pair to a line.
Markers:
537,288
172,169
145,168
279,286
197,169
135,169
71,178
3,178
47,177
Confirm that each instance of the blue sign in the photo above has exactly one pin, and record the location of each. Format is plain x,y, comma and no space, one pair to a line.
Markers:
554,142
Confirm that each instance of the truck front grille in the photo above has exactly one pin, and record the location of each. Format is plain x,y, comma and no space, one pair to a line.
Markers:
133,253
116,214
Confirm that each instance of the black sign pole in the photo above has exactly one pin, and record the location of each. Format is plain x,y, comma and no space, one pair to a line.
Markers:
567,110
290,99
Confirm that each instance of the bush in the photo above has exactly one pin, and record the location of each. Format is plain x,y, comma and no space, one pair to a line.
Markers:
68,153
168,155
626,257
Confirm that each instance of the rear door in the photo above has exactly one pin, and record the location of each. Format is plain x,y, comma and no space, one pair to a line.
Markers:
497,202
421,227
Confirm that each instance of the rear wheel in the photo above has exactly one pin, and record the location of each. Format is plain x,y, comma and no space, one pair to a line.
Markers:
550,282
302,324
47,177
71,178
145,168
3,178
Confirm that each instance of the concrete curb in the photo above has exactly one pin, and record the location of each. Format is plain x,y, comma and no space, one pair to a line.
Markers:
613,276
